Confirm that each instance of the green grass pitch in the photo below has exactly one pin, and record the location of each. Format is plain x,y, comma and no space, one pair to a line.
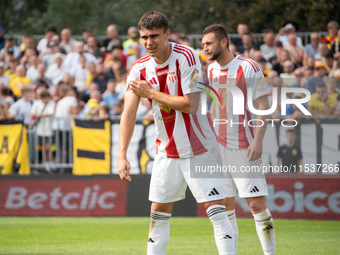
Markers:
65,235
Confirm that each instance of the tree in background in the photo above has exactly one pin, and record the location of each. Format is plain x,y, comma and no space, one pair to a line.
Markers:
190,16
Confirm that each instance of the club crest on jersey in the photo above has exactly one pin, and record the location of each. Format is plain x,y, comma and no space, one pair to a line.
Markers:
165,108
172,76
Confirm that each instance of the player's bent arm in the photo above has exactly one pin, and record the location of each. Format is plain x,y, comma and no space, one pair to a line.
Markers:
126,128
188,103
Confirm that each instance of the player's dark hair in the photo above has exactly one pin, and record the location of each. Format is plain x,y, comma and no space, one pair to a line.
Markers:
152,20
219,32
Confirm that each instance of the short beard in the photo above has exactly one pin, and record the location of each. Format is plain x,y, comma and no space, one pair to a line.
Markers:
216,54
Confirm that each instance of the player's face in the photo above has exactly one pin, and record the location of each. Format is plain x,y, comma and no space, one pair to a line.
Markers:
155,41
212,46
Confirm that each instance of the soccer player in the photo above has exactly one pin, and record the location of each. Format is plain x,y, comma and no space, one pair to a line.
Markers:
241,145
164,76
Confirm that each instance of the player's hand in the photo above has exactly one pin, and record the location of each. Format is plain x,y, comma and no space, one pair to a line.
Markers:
124,170
254,151
140,88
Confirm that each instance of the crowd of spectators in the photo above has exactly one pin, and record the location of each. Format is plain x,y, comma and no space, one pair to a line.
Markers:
88,77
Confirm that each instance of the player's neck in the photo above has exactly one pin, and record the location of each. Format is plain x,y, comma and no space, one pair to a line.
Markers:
225,58
164,57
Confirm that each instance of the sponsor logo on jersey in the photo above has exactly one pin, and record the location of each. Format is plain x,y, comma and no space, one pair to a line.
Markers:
162,72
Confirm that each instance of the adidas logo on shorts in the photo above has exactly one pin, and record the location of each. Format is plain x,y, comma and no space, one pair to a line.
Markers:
255,189
213,192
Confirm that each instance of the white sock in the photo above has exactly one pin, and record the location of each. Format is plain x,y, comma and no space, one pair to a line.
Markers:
159,233
265,230
224,234
232,218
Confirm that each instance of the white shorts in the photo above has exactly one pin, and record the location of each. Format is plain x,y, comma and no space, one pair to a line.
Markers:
247,184
171,176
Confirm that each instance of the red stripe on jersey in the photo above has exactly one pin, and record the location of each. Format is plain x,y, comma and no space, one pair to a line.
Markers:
143,59
168,114
185,54
191,54
242,136
158,142
223,76
179,83
222,128
211,125
143,74
196,145
198,125
250,62
211,75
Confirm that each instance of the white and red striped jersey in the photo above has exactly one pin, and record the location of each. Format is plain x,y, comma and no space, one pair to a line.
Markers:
179,135
242,73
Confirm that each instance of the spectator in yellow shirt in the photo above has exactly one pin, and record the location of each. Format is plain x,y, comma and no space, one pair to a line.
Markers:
322,103
10,73
16,84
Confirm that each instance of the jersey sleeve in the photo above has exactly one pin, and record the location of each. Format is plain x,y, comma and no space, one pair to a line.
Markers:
258,84
134,73
191,75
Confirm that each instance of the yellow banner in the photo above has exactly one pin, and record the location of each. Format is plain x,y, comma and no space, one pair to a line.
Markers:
91,147
13,148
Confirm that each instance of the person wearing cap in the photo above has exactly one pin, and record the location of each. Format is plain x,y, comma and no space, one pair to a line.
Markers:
3,78
320,69
48,56
49,33
268,48
322,103
332,37
114,53
10,49
287,29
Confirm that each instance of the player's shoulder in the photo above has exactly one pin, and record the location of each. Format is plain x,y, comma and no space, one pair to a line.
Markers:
185,54
250,66
140,63
214,65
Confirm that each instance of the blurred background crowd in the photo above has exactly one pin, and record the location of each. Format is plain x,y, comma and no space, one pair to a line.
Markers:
61,76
